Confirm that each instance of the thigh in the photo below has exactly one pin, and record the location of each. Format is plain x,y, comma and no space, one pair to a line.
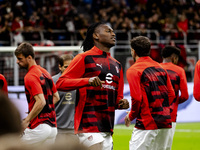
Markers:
90,139
162,139
37,135
108,141
52,136
142,139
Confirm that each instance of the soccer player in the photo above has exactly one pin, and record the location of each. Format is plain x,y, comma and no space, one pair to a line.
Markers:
66,106
40,124
196,92
152,94
3,84
99,80
178,79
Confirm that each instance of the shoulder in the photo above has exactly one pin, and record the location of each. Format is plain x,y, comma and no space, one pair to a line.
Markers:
2,77
132,70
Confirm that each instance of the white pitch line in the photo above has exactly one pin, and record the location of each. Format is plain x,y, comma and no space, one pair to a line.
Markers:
186,130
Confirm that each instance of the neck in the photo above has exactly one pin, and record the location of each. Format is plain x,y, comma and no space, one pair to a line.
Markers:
32,63
102,47
167,60
136,57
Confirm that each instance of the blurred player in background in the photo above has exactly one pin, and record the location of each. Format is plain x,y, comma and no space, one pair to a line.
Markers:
196,89
99,80
40,125
10,123
3,84
151,93
65,108
178,79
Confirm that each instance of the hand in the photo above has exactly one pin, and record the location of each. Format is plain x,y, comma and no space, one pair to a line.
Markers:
127,120
123,104
25,124
95,81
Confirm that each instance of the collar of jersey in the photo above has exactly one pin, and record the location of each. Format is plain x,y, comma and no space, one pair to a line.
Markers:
100,51
32,67
145,58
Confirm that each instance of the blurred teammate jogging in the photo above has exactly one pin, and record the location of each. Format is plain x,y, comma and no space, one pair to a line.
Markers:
152,94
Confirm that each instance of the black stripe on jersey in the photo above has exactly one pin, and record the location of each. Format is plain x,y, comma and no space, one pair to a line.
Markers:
92,93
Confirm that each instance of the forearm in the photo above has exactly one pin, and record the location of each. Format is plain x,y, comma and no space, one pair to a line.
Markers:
64,84
56,97
184,96
134,109
40,102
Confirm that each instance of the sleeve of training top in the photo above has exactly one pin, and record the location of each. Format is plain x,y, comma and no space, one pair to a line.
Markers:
183,87
196,89
120,88
72,78
33,84
133,78
171,93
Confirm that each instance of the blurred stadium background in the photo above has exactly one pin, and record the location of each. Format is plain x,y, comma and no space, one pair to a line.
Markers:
55,27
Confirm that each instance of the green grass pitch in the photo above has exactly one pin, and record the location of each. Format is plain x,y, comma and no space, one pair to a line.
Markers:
187,137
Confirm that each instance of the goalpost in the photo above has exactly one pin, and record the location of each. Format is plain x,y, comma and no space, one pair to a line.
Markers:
46,56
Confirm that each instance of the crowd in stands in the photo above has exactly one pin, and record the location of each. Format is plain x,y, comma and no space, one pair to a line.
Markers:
75,15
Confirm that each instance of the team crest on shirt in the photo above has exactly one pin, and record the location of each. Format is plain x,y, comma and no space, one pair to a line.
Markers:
109,78
90,138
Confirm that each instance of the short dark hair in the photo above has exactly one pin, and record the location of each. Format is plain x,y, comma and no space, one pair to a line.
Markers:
64,58
25,49
141,45
168,50
88,42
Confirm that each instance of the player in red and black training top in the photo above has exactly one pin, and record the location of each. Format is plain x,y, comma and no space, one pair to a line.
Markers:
99,80
3,84
178,79
40,124
152,94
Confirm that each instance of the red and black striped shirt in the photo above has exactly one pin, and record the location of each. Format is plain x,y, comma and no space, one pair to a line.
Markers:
151,93
179,82
95,106
39,81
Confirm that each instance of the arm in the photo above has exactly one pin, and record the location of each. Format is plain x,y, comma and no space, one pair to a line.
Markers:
121,103
183,87
171,93
196,89
40,102
56,97
133,78
72,77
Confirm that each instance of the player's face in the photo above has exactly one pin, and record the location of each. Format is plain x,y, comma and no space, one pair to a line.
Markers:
105,35
65,65
22,61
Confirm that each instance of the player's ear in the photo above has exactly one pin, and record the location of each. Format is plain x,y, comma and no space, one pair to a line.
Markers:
60,67
29,57
95,36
